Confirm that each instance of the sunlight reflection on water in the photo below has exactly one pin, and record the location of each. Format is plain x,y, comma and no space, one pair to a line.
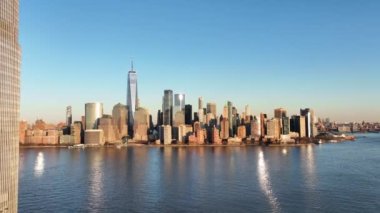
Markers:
39,165
265,183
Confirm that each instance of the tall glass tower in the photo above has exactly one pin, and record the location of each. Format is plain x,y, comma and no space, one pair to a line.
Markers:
10,57
167,107
179,103
132,97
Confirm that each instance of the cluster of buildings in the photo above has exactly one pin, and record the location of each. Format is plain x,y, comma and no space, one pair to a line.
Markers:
177,123
326,125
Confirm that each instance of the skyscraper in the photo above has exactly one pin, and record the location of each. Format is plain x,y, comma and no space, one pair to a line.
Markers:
200,103
120,119
188,115
248,110
263,121
211,108
201,113
248,114
229,105
167,107
69,116
9,104
280,113
309,121
132,98
179,103
93,112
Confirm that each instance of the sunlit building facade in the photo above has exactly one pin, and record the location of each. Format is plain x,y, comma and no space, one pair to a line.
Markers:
211,108
132,96
10,58
179,103
93,112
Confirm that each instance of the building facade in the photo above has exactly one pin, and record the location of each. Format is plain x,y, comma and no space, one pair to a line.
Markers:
141,124
69,116
93,112
10,58
280,113
132,96
309,121
211,108
120,119
179,103
188,114
167,107
230,123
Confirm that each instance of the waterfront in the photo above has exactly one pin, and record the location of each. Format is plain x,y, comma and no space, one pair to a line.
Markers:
312,178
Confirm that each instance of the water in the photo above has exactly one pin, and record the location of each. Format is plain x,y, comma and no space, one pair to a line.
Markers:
341,177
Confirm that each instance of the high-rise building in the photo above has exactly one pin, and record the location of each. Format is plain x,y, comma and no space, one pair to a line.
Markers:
83,120
255,129
248,110
234,111
201,116
10,58
200,103
196,117
280,112
179,103
285,127
160,119
110,132
230,119
167,107
298,124
167,134
242,132
120,119
93,112
211,108
309,121
141,124
211,119
188,114
225,129
77,132
179,118
273,128
182,133
248,114
225,112
69,116
263,122
132,97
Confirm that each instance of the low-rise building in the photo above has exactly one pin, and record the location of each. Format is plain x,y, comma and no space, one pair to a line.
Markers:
94,137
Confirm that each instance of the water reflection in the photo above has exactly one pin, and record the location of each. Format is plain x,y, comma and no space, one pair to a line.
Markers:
265,184
39,165
284,151
310,167
96,181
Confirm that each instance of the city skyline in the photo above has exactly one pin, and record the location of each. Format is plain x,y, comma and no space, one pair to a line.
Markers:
268,55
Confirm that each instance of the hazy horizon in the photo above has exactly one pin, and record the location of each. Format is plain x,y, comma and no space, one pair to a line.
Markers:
267,54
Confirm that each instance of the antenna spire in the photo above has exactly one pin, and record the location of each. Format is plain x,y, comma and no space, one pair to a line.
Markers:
131,65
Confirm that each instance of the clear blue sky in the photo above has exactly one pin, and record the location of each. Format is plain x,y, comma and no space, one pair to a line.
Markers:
323,54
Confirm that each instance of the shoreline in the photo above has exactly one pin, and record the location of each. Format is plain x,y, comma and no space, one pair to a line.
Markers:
139,145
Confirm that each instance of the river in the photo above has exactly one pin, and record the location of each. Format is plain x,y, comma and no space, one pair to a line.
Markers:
341,177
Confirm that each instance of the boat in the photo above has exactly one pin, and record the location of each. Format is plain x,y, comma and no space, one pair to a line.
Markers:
77,146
